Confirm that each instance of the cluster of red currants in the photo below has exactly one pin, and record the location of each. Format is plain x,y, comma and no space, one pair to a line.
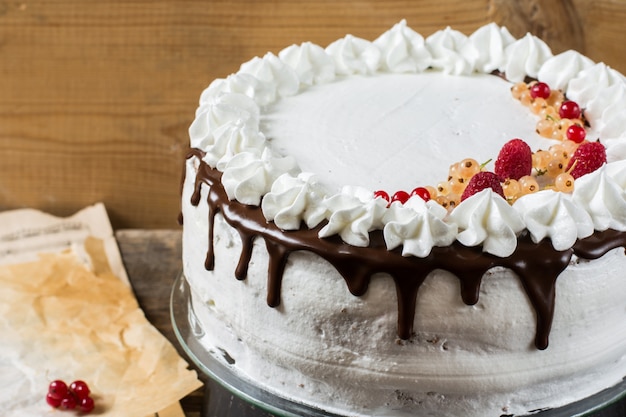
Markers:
76,396
402,196
560,118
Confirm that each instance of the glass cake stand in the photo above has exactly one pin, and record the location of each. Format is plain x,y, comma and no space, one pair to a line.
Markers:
228,390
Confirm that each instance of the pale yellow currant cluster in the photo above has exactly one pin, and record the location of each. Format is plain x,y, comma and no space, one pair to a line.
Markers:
448,193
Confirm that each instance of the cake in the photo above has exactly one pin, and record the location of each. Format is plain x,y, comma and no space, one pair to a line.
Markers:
333,262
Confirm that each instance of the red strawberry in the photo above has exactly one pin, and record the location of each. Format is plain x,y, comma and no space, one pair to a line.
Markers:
514,160
480,181
588,157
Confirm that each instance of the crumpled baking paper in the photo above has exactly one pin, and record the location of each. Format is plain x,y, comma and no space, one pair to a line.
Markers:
67,312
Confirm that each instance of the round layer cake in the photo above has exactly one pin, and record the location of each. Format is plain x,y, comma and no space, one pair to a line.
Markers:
311,282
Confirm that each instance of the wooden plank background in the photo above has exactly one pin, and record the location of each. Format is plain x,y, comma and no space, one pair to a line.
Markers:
96,95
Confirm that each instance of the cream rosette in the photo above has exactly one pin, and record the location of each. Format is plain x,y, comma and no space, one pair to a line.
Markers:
613,132
231,139
276,77
486,218
354,55
293,200
451,52
524,57
226,127
248,176
353,213
602,194
418,226
558,70
554,215
606,111
310,62
615,148
488,44
238,83
585,86
403,50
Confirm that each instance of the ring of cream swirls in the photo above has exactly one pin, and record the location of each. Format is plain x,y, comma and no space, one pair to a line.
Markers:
227,122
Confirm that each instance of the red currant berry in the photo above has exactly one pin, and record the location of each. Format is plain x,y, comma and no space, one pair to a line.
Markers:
53,401
422,192
381,194
569,110
57,389
401,196
86,405
80,389
68,402
576,133
540,90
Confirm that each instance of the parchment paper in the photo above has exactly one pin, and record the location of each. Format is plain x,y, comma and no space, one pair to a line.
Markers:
67,312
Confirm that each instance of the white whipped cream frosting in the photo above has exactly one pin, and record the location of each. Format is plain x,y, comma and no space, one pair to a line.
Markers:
551,214
293,200
451,52
403,50
525,57
310,62
353,214
248,176
588,83
558,70
487,219
615,148
610,101
227,128
602,194
276,78
354,55
244,84
489,44
417,226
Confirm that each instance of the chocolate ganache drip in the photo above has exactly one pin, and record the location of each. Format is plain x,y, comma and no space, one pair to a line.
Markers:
537,265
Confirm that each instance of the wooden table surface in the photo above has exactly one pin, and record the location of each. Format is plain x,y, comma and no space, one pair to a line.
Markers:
153,260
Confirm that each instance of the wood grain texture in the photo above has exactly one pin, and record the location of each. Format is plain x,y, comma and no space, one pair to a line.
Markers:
96,96
556,22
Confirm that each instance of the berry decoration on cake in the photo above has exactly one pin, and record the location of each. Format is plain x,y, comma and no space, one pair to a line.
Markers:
422,192
514,160
569,110
481,181
576,133
540,90
587,158
516,165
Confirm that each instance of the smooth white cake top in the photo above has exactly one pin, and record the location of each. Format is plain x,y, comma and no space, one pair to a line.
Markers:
305,134
396,131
